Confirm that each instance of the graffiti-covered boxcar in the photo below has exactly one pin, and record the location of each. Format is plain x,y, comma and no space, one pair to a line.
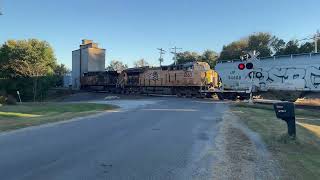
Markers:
299,73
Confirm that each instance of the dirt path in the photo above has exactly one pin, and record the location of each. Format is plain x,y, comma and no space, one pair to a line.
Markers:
241,154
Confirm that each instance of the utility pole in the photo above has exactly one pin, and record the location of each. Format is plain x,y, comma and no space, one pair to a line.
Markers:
316,38
175,54
162,52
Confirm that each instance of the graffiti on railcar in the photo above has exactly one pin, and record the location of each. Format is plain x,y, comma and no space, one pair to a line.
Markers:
310,76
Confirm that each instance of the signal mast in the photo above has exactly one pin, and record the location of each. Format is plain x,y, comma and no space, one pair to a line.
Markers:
249,58
316,38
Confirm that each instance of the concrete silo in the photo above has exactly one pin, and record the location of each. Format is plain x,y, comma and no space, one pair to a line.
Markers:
88,58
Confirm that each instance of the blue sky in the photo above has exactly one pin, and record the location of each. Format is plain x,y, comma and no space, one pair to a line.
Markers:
134,29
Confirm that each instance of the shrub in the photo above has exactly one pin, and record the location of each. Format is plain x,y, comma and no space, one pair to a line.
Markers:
25,86
2,99
11,100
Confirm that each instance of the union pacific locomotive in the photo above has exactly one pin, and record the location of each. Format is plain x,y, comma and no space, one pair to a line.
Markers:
189,79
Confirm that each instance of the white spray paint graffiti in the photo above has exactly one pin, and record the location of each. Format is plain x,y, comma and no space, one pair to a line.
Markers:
299,78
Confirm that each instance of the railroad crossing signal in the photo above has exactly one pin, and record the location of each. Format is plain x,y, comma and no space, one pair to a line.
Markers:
248,65
253,55
250,56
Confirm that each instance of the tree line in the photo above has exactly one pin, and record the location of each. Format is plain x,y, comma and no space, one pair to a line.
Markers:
265,43
29,66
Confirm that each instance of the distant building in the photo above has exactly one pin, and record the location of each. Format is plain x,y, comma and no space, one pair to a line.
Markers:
88,58
67,80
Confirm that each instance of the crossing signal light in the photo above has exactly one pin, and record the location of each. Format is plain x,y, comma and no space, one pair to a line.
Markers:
241,66
249,65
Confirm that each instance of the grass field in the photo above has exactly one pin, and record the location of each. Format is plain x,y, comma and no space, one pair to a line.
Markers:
300,158
30,114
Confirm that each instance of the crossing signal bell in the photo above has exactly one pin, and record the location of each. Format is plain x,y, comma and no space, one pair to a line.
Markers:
242,66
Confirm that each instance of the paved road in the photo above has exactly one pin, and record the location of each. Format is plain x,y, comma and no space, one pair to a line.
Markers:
163,138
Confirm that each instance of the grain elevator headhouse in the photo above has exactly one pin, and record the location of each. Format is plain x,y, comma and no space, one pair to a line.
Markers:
88,58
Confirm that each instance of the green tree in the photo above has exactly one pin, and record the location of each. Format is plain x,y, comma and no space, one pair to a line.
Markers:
61,70
30,51
210,57
292,47
116,65
234,50
187,56
28,59
307,47
260,42
278,45
31,69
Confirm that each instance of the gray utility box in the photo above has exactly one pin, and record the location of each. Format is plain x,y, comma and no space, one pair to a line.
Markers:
285,111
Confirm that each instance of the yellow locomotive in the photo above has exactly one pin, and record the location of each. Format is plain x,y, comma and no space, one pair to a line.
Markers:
187,79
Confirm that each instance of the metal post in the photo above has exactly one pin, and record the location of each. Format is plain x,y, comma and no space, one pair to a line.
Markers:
19,96
251,97
291,124
316,42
